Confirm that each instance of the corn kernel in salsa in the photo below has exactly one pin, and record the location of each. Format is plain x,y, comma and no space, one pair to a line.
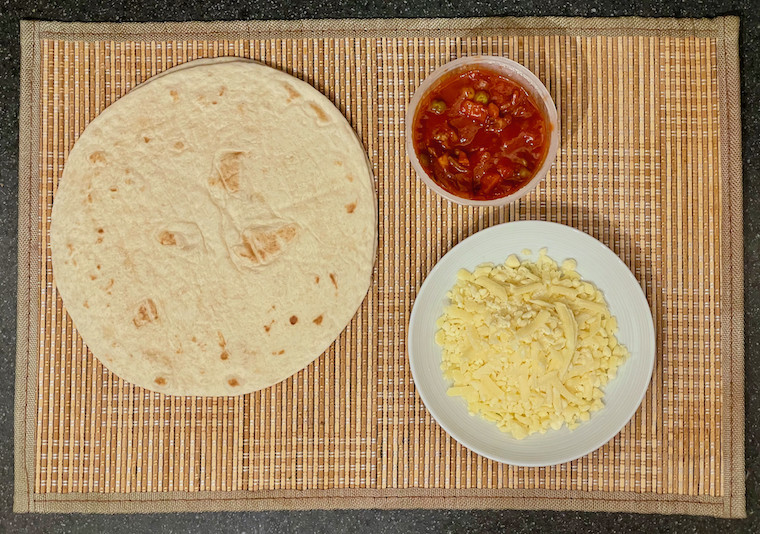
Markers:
479,135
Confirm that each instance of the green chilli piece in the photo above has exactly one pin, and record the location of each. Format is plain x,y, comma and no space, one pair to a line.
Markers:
438,106
481,97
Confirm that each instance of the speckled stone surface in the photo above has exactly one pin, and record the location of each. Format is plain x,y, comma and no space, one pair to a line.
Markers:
371,520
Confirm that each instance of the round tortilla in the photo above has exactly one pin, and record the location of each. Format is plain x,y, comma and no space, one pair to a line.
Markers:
214,230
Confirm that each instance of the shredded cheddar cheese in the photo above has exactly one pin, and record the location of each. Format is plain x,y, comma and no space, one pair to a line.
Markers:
528,345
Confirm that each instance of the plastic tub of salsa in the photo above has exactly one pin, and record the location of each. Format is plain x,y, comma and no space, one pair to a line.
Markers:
482,131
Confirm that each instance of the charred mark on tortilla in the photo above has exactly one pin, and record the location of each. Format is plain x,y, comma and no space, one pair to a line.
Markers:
167,238
98,157
318,320
292,93
293,319
321,115
226,170
147,312
260,246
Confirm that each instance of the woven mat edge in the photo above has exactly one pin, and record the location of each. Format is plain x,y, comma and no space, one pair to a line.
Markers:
732,291
341,28
416,498
28,281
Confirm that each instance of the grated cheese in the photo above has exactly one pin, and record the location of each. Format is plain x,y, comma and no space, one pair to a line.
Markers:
528,345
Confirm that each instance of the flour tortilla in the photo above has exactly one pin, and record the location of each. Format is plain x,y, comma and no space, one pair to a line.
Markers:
214,230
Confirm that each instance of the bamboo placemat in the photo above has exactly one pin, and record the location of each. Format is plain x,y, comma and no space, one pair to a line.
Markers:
650,165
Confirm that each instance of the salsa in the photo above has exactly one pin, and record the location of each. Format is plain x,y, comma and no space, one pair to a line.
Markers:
479,135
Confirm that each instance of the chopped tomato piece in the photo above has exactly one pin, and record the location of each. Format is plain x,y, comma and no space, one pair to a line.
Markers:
476,112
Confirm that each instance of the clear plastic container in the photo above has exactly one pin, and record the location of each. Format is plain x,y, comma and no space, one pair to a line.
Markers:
511,70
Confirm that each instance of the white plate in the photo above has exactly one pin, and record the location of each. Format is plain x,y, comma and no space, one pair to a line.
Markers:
597,264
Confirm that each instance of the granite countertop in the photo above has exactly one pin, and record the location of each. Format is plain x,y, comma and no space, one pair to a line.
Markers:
379,521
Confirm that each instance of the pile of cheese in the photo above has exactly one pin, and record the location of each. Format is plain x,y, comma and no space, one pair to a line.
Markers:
528,345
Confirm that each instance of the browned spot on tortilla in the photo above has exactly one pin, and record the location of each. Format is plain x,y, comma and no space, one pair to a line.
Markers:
179,145
334,280
233,382
321,115
226,171
86,304
316,279
147,312
350,177
213,102
89,198
113,188
240,107
161,381
222,341
174,95
178,351
167,238
194,339
281,352
109,285
98,157
351,207
268,327
293,319
278,352
318,320
261,245
97,267
224,355
292,93
100,230
146,139
93,277
70,247
339,163
99,240
128,181
222,89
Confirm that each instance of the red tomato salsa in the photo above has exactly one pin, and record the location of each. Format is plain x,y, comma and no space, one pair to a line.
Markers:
479,135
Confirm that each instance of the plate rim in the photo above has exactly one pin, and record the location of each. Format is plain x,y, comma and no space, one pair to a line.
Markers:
640,294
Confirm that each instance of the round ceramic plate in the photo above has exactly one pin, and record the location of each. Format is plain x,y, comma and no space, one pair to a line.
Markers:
597,264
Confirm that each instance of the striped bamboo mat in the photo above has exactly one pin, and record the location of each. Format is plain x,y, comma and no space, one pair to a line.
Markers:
649,164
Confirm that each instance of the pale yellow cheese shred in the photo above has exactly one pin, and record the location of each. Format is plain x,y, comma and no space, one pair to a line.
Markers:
528,345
